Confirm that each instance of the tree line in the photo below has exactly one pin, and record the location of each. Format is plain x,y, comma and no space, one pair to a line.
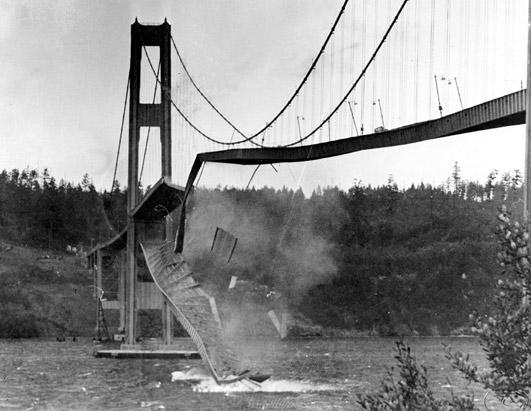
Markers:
39,211
390,260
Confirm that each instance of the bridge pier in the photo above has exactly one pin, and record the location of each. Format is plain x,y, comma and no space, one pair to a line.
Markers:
145,115
145,220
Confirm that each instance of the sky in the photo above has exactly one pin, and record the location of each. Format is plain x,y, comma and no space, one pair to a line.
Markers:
65,63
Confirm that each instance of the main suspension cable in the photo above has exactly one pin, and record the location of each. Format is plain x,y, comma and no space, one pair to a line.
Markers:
282,110
188,121
203,94
121,133
361,75
324,121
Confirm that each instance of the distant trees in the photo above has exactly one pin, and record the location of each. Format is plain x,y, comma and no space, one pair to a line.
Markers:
390,260
37,210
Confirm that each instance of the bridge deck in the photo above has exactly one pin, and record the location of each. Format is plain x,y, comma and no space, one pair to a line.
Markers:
508,110
504,111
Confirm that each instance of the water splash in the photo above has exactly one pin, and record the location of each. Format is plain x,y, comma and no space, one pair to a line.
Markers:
205,383
270,385
190,374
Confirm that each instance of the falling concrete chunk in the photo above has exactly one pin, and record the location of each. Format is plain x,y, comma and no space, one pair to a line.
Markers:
223,244
214,309
284,326
274,320
233,281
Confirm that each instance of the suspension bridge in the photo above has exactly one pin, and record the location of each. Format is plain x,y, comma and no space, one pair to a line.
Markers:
381,78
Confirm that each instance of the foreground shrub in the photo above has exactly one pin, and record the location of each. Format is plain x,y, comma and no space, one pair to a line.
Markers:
412,391
506,334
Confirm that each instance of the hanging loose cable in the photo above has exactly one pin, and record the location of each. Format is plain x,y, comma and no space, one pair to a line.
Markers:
353,118
438,96
252,176
200,174
458,93
381,113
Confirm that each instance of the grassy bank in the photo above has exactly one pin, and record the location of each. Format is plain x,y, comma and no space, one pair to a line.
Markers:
43,294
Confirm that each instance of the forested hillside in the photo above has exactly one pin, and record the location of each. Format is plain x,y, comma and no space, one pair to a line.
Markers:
37,210
381,259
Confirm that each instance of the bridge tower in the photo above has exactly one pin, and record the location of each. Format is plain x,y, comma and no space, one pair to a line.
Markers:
145,115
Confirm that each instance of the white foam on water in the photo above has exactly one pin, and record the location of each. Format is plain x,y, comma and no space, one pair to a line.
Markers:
191,374
204,382
270,385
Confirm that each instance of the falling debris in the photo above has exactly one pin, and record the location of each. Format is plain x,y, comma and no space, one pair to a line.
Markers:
214,309
284,326
281,327
196,310
276,323
233,281
223,244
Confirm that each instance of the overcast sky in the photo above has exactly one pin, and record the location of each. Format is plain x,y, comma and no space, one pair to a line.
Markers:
64,69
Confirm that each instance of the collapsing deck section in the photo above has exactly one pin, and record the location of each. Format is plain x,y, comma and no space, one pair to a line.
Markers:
194,309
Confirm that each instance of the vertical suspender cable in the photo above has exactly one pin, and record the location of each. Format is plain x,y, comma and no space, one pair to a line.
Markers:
363,47
416,78
387,61
447,68
432,48
351,58
506,37
375,63
466,40
331,81
485,60
402,79
341,65
314,82
322,96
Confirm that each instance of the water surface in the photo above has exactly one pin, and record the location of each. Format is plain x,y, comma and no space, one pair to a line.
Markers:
308,374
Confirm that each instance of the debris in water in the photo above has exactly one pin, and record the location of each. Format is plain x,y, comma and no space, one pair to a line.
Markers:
158,405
